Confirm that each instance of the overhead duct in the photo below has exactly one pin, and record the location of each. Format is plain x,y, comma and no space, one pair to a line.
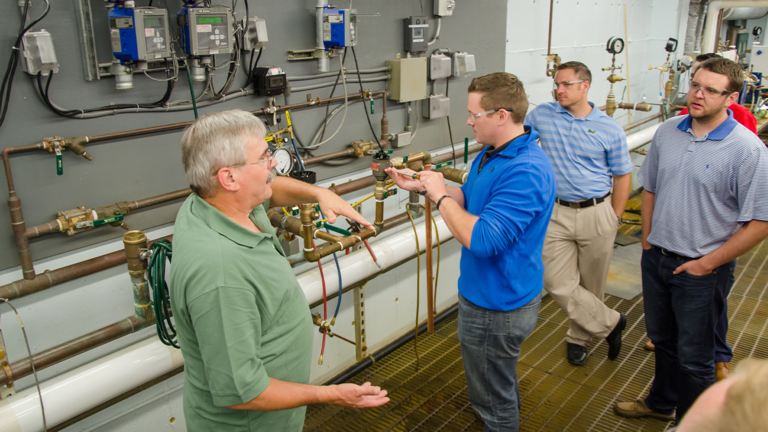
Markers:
697,11
744,13
709,37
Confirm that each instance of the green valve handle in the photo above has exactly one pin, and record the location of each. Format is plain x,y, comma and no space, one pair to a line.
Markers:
317,208
295,212
444,164
466,150
336,229
109,220
371,106
405,159
59,161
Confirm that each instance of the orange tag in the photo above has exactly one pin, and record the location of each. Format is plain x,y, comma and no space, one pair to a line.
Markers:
374,166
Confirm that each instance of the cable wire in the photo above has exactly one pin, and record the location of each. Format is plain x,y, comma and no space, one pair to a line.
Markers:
341,286
418,290
325,304
367,116
161,250
29,351
448,118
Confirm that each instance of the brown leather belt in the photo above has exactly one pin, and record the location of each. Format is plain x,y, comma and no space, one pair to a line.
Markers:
582,204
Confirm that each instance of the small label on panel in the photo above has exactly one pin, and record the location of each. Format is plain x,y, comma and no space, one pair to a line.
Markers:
213,51
204,28
116,45
335,18
149,32
374,166
124,22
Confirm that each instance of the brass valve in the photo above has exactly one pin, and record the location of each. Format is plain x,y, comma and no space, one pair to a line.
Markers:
661,68
362,148
613,78
74,144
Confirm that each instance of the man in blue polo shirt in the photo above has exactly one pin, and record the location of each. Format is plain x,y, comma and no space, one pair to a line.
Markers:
589,152
704,204
500,217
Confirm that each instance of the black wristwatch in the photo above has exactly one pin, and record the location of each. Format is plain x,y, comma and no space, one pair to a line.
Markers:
441,200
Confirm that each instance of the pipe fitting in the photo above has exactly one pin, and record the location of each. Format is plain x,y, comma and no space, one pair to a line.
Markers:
454,175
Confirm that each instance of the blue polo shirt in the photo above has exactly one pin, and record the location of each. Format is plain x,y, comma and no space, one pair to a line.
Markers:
585,151
707,187
513,195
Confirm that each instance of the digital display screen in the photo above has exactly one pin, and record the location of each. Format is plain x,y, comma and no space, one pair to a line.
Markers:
153,22
418,33
276,82
210,20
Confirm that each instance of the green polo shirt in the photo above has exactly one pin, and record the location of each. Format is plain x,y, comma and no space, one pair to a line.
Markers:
241,318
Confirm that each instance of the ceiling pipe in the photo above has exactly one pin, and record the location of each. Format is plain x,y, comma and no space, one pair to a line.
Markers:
709,39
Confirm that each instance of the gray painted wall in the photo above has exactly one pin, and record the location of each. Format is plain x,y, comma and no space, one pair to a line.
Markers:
147,166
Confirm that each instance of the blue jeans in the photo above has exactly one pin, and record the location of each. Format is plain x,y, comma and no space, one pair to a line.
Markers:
723,352
490,345
680,317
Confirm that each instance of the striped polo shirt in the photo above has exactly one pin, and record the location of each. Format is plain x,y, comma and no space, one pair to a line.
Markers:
707,187
585,151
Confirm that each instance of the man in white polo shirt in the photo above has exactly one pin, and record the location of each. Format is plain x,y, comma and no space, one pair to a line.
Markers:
704,205
589,152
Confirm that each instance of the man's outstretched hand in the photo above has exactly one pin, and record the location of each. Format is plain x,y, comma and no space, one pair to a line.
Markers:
355,396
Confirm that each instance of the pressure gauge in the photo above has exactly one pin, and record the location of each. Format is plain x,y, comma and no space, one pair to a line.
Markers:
284,159
671,45
615,45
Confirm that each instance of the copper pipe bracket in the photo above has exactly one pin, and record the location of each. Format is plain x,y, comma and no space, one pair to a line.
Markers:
8,375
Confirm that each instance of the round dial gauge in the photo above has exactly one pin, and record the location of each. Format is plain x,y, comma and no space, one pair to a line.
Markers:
284,160
615,45
671,45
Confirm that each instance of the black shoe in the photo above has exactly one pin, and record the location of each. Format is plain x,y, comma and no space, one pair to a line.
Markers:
614,339
577,354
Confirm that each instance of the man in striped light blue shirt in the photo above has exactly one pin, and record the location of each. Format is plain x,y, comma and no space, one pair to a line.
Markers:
589,152
704,204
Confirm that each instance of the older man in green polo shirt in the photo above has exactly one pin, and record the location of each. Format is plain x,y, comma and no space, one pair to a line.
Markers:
243,322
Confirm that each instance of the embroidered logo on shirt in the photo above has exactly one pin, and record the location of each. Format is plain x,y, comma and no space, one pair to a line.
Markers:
591,131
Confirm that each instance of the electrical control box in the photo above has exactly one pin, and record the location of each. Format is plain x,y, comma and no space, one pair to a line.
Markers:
270,81
415,34
439,66
339,28
444,7
39,55
206,31
256,36
436,106
401,139
408,80
140,34
759,58
463,64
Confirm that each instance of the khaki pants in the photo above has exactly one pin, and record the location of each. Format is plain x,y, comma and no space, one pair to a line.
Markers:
577,254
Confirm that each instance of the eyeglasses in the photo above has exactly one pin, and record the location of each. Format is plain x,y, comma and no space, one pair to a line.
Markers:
566,84
266,158
708,91
473,116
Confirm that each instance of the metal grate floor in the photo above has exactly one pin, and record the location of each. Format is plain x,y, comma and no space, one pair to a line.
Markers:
555,395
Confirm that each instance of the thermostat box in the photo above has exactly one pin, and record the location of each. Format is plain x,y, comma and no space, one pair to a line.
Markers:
408,80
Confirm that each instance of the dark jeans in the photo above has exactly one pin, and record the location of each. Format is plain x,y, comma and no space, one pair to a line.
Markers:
680,317
723,352
490,345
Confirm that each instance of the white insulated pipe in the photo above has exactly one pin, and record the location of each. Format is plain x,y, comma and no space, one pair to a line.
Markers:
90,385
642,137
323,64
709,38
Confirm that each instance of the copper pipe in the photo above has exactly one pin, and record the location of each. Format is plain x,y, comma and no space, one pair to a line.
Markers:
328,156
170,196
57,354
639,106
353,185
48,279
641,122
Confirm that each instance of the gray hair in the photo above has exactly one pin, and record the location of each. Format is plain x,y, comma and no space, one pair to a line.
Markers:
214,141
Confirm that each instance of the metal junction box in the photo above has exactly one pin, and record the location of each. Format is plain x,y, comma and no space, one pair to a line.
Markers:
140,34
463,64
206,31
439,66
444,7
39,53
436,106
339,28
409,79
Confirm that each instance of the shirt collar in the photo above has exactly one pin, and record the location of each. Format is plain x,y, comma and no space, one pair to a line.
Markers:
225,226
593,115
719,133
513,150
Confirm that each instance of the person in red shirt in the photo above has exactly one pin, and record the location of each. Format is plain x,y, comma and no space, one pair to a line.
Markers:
723,352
